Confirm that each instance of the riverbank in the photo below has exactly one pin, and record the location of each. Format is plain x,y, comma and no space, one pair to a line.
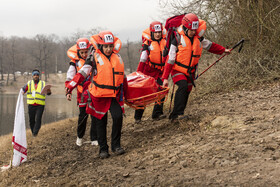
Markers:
56,80
228,139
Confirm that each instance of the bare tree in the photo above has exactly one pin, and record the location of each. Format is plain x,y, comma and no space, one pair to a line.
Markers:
12,53
65,44
2,44
94,31
227,22
129,56
130,53
43,51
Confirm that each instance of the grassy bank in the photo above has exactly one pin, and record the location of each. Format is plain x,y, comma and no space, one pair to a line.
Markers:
227,139
45,133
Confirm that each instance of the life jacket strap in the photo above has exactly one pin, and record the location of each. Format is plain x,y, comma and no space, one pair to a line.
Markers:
105,86
156,64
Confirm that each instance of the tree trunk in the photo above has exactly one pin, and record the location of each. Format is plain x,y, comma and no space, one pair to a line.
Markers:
46,75
2,57
128,56
7,83
13,51
1,67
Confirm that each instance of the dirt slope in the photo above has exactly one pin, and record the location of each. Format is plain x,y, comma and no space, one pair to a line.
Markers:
227,140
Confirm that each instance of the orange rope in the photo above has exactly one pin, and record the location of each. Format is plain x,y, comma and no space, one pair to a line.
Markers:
148,100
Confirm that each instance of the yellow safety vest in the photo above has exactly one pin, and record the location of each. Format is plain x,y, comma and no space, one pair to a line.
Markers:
39,98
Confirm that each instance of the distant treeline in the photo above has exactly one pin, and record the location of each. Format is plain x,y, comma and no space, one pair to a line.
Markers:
257,21
48,53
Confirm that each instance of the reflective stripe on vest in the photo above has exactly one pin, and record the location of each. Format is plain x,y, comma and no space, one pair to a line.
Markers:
117,47
99,59
39,98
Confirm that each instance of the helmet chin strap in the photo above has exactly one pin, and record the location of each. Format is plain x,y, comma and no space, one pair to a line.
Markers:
100,47
185,30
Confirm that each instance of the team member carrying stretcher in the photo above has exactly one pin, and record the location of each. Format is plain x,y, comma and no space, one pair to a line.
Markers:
184,54
106,90
151,62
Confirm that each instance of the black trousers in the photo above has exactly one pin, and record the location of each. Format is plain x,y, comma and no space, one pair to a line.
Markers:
82,125
181,99
35,117
101,126
157,111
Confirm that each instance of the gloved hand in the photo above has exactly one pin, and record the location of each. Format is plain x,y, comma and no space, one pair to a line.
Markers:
66,82
72,84
227,51
78,78
165,83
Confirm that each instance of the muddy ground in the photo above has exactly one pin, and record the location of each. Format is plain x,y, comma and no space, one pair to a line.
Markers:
227,139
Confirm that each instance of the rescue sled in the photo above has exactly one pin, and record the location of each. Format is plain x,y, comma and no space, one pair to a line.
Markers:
144,91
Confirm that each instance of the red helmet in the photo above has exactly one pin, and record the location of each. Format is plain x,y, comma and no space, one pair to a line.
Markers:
190,21
83,43
156,26
105,37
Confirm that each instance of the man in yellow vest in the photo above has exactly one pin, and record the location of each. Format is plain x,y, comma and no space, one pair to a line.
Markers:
35,101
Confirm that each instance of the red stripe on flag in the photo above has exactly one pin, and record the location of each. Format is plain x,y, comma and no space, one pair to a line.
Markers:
19,147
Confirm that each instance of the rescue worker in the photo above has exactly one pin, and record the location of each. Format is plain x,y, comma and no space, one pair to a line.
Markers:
151,62
183,59
78,54
35,101
106,90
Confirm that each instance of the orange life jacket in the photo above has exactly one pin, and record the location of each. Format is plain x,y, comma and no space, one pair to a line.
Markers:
188,54
72,53
201,29
155,49
110,74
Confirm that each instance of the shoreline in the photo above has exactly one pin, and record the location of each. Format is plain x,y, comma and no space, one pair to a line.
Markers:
56,80
43,127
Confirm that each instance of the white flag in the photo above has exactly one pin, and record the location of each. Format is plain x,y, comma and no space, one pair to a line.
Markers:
19,134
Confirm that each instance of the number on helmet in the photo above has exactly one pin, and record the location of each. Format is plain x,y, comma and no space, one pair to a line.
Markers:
195,25
82,45
108,38
157,27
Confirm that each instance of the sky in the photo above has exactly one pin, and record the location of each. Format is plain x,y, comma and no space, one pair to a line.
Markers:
125,18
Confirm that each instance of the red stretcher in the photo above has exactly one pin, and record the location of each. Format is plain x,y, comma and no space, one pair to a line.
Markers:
144,91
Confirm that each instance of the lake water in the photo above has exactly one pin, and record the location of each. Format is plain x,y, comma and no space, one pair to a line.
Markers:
57,108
